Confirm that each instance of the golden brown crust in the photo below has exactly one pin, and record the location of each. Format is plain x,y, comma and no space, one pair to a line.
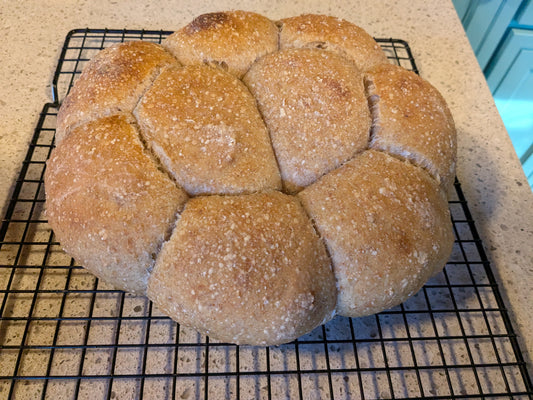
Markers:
246,269
242,261
333,34
232,40
112,82
108,204
411,120
387,228
204,126
314,106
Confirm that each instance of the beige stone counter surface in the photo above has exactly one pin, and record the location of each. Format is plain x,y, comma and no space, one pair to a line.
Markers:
496,189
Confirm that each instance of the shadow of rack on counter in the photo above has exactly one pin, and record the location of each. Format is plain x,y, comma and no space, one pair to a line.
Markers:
63,332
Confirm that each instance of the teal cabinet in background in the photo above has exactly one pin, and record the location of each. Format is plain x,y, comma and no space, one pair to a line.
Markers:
511,83
485,23
501,35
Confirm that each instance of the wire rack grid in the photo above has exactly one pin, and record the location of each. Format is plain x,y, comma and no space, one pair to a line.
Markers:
64,334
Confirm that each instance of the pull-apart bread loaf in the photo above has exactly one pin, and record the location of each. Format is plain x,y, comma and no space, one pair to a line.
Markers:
255,178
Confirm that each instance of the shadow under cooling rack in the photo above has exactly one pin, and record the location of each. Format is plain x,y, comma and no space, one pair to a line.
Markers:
64,334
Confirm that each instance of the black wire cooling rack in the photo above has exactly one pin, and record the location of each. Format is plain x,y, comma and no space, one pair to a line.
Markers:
64,334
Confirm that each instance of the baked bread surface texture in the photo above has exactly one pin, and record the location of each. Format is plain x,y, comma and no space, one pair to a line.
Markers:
112,82
314,106
387,228
411,120
204,126
232,40
246,269
254,178
333,34
108,203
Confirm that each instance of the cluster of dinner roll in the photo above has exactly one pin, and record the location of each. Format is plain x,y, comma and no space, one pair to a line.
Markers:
254,178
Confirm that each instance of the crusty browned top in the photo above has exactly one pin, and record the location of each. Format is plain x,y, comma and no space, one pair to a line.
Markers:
207,21
333,34
204,126
247,269
111,82
232,40
108,203
387,228
314,105
411,120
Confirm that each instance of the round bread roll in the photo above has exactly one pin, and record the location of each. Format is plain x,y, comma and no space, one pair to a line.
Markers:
112,82
245,269
254,178
333,34
399,224
411,120
204,126
232,40
314,105
109,204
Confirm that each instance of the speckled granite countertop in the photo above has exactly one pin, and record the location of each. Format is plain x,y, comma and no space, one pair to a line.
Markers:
488,169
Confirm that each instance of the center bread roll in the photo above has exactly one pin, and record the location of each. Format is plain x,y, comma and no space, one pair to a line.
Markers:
247,269
204,126
314,105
